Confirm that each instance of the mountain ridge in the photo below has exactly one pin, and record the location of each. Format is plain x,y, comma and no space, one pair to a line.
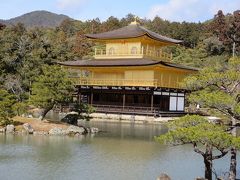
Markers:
39,18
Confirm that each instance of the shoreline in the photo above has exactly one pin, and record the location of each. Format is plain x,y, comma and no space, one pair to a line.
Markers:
123,118
35,126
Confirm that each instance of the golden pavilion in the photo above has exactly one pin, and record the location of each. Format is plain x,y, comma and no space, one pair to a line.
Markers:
131,73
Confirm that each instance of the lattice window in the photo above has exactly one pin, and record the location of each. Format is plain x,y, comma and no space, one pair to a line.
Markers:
134,50
111,51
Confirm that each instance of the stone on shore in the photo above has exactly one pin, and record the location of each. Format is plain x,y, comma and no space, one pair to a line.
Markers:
40,133
57,131
28,128
10,128
3,130
75,130
35,113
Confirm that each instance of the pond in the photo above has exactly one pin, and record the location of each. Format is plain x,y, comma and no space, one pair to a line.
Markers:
120,152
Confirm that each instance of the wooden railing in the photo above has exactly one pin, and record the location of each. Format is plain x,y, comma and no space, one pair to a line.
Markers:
114,82
124,82
157,54
126,109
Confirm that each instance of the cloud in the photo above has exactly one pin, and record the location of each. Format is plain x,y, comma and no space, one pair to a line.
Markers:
228,6
192,10
66,4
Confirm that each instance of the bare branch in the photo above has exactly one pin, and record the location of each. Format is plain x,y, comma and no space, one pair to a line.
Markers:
197,150
223,153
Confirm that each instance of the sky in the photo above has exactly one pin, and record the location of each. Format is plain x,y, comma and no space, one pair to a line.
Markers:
172,10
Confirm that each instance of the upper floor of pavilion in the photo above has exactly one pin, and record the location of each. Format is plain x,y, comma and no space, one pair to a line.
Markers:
132,42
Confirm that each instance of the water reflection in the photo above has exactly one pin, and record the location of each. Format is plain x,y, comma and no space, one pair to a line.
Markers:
128,131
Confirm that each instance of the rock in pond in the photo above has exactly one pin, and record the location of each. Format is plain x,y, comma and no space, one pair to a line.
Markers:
94,130
75,130
10,128
28,128
57,131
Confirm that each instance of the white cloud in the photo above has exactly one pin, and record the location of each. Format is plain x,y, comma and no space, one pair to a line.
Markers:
192,10
65,4
228,6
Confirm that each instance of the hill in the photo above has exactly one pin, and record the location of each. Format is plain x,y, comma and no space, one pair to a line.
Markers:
37,18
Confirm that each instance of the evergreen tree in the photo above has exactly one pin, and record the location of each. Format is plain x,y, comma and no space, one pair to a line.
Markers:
7,102
51,88
209,140
218,87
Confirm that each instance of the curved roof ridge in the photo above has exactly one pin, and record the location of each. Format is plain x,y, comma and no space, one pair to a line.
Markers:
159,36
129,31
132,31
123,62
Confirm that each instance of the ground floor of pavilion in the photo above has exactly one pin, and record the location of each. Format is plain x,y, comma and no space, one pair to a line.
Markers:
133,100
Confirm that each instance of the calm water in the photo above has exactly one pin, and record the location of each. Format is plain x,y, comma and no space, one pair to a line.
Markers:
121,152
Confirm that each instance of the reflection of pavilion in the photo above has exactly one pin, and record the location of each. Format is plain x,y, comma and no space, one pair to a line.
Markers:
132,74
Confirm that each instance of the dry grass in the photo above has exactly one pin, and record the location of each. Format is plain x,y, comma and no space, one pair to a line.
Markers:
37,124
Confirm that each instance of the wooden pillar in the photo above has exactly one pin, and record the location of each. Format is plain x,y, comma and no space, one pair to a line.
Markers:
79,95
91,97
124,99
152,101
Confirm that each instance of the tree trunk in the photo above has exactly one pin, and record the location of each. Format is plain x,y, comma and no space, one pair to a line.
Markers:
208,162
208,168
233,164
233,159
46,110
